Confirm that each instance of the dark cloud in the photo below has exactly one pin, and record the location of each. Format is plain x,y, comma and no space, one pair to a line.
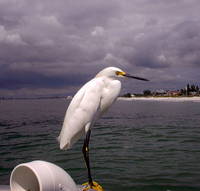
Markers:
13,80
57,44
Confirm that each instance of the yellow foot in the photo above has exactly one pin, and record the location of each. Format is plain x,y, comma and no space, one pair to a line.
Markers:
95,186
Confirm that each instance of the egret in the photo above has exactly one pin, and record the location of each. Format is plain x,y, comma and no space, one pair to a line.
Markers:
89,103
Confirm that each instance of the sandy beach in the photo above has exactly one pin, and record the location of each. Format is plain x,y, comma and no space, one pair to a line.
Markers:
171,99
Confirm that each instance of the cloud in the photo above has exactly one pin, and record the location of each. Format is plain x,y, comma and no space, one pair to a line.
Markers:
98,31
9,37
51,44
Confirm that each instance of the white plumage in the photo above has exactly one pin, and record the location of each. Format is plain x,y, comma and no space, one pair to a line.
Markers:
89,103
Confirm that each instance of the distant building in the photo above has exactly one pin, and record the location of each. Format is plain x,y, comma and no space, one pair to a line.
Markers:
69,97
193,93
174,93
159,92
129,95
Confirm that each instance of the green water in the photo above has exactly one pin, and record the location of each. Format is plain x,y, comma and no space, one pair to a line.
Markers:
136,146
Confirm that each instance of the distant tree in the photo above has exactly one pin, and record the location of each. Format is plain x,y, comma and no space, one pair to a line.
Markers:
127,95
193,88
187,89
197,88
183,92
147,92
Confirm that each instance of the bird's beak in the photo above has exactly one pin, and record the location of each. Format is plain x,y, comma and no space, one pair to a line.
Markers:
135,77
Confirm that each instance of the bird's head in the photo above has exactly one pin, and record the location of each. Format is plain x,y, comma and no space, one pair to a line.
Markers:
114,72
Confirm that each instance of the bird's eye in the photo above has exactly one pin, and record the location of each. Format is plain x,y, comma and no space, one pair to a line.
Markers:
117,73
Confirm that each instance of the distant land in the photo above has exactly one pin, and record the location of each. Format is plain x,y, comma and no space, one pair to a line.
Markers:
189,91
170,99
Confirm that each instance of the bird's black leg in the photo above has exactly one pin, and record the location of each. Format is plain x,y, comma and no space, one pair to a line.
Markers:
86,156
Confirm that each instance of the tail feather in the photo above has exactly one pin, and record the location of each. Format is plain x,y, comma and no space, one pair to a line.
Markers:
64,144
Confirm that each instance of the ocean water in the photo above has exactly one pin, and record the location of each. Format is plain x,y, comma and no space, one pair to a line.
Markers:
136,146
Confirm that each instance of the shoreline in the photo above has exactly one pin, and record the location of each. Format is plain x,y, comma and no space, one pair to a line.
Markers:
175,99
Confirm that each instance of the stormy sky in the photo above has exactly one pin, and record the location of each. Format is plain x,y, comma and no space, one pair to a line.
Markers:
50,47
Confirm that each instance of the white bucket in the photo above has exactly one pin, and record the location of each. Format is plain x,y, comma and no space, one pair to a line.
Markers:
41,176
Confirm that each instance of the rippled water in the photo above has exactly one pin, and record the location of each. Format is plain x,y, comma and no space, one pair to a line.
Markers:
136,146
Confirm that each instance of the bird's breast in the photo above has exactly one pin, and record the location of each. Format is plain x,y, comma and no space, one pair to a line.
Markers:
110,93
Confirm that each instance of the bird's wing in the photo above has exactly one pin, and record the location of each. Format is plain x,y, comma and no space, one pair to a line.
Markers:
81,112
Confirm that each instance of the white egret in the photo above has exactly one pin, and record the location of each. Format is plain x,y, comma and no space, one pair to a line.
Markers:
89,103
